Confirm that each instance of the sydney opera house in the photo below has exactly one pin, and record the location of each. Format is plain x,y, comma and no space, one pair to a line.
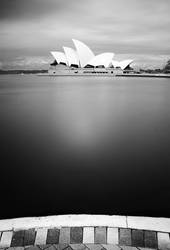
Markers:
82,60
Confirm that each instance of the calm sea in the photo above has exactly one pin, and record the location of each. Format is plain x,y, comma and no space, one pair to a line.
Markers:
84,145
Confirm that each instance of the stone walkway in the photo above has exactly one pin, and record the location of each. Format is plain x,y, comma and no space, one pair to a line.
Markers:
61,237
79,238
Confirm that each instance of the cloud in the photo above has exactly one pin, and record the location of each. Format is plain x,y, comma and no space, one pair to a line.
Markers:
23,9
35,27
34,62
145,61
1,65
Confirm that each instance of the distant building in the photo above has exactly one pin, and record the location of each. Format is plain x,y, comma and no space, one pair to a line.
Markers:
84,58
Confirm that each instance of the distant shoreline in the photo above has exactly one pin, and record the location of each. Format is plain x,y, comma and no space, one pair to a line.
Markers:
45,73
24,71
145,75
109,75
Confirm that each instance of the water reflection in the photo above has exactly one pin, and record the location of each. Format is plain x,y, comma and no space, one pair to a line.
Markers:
82,143
84,117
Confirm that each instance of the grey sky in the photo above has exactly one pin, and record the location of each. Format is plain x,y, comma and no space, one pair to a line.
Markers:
31,28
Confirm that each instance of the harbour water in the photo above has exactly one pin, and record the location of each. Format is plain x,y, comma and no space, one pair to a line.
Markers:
84,145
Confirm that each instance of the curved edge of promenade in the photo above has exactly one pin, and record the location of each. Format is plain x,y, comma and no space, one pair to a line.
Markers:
85,232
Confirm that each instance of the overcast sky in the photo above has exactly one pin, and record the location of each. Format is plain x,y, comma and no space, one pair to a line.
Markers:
29,29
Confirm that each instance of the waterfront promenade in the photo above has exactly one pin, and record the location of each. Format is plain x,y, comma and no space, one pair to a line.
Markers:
85,232
80,73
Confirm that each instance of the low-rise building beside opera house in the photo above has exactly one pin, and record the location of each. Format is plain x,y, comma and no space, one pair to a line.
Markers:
82,61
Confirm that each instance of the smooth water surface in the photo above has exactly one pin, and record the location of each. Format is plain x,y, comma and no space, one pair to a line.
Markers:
84,145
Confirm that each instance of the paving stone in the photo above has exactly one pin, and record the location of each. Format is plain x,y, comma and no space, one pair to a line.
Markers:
32,248
61,246
150,239
55,246
16,248
145,248
6,238
53,236
52,247
68,248
100,235
41,236
29,237
77,246
64,235
88,235
94,246
76,235
163,241
111,247
125,237
112,235
137,238
18,238
44,246
128,248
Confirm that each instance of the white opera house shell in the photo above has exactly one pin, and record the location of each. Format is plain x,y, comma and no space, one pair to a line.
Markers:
83,58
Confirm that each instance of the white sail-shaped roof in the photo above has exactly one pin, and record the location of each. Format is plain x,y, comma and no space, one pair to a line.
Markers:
84,52
123,64
115,63
71,55
104,59
60,57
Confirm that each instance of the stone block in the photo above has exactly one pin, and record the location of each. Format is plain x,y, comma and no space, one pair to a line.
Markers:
144,248
68,248
94,246
64,235
163,241
112,235
125,237
150,239
100,235
41,236
88,235
29,237
137,238
6,238
44,246
128,248
53,236
32,248
61,246
77,246
76,235
18,238
149,223
52,247
111,247
16,248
